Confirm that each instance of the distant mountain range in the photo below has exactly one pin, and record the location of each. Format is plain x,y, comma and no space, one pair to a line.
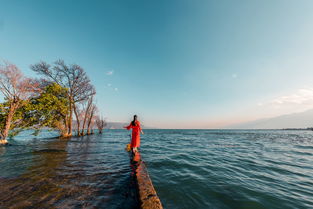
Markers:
119,125
294,120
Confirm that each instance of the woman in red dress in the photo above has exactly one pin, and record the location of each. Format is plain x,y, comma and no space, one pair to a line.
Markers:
135,142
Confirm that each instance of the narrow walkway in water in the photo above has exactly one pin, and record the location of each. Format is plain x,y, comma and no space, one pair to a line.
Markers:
148,197
91,171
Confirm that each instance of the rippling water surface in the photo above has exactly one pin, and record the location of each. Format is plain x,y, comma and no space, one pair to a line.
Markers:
87,172
189,169
231,168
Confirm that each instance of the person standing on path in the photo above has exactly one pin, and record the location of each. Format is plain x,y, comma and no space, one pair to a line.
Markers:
135,141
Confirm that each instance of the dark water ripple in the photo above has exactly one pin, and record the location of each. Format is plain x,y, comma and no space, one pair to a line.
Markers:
231,168
88,172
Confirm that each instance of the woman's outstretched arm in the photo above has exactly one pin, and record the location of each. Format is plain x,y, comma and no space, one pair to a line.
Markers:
128,127
140,128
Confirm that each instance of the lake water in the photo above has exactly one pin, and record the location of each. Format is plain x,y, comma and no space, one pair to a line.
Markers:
189,168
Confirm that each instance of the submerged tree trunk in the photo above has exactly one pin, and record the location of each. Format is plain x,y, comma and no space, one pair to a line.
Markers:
8,120
92,112
100,122
100,131
89,126
70,119
64,131
3,141
64,134
87,112
84,123
77,119
63,127
83,128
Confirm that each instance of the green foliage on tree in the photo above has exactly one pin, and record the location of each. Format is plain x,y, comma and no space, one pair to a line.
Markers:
18,123
48,110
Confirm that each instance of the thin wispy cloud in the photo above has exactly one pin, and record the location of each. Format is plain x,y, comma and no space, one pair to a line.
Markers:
110,72
111,87
297,101
300,97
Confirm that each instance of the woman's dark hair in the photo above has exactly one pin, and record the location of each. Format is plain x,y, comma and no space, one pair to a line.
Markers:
134,121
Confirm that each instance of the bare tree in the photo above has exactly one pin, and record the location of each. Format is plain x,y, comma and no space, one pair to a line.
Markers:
15,88
101,123
87,111
74,78
78,115
91,118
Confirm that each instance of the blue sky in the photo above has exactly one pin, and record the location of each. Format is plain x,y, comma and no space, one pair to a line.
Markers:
174,63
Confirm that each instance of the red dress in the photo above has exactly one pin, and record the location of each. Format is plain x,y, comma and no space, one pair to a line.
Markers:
135,134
